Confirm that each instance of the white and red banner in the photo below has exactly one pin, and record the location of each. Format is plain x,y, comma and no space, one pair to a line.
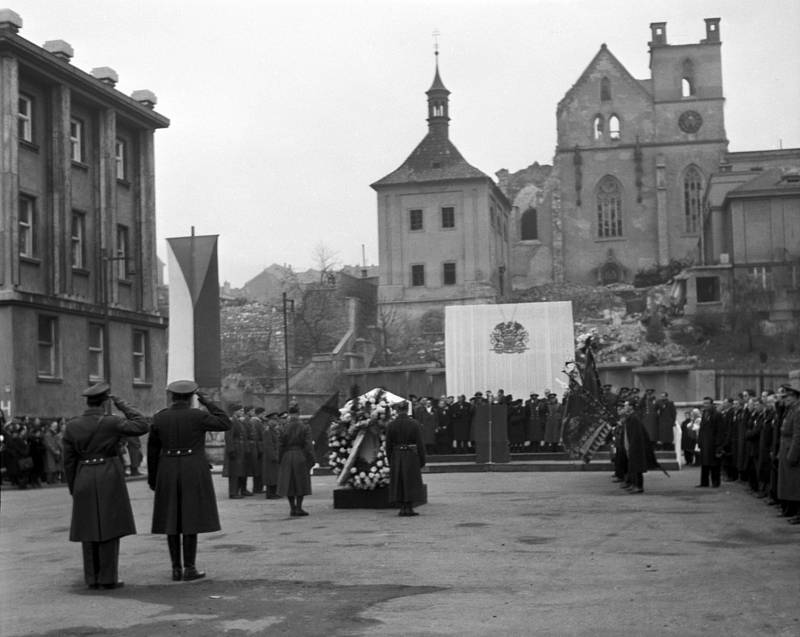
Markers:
194,331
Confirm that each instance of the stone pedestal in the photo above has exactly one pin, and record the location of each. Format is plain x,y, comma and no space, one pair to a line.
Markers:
348,498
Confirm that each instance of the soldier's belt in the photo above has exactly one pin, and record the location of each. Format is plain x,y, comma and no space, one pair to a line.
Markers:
178,452
407,447
93,461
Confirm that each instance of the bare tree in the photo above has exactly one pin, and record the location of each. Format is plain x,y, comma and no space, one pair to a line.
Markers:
326,261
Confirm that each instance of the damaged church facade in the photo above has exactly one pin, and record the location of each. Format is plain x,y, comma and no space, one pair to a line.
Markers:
641,178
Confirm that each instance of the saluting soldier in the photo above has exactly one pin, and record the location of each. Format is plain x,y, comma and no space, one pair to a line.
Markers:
177,470
101,508
406,453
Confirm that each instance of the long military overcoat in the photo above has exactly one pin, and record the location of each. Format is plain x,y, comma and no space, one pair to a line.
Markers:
405,478
269,458
666,413
296,458
636,444
711,437
185,501
789,453
101,508
233,465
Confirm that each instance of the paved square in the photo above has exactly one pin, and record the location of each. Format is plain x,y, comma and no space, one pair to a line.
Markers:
491,554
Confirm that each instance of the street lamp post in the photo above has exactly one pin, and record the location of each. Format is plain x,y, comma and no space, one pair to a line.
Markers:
288,305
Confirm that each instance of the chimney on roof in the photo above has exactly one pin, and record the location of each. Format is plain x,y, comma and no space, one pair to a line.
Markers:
106,75
62,50
145,98
712,30
10,21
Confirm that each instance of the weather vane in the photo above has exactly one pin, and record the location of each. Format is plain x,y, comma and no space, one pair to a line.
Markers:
436,35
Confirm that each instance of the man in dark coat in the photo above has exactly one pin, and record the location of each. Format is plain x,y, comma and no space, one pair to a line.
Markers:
233,465
711,440
666,414
406,453
177,470
253,450
429,420
636,442
296,455
461,422
789,452
270,432
101,509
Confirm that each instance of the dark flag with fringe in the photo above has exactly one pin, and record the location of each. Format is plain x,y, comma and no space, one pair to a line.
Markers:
328,412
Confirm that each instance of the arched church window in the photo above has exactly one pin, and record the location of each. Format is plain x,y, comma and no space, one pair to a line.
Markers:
692,199
605,90
613,127
687,79
529,229
609,208
597,127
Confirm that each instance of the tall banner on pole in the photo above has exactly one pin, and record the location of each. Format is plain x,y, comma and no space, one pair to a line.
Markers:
520,348
194,332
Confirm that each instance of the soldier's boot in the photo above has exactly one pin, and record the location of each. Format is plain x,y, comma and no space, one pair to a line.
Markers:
174,544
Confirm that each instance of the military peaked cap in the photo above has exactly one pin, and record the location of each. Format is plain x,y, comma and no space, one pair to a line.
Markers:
182,387
97,390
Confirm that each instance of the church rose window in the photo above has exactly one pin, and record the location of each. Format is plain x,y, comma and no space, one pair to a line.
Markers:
609,208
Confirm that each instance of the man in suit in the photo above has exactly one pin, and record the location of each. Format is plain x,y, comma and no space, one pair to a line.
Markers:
711,440
177,470
101,508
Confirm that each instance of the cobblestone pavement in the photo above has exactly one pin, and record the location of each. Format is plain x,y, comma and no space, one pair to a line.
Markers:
491,554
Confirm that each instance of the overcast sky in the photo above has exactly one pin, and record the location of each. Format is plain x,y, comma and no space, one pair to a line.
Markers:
283,113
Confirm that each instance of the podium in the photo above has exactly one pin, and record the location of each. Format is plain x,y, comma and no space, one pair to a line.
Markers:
490,432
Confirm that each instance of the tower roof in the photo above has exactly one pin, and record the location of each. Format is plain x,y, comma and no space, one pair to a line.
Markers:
437,85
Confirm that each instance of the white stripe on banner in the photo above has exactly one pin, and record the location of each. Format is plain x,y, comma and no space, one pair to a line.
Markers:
180,365
520,348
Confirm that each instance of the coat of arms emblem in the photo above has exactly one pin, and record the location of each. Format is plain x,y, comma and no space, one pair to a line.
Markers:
509,338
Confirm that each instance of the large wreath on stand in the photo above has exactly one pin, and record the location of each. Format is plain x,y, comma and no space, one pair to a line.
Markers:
357,441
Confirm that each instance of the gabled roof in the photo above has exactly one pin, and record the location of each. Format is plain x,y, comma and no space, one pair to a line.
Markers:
604,51
434,159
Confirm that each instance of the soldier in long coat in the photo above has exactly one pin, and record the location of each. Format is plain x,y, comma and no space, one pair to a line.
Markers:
406,453
666,415
636,442
233,464
789,453
101,509
177,470
270,433
296,455
649,415
536,419
253,450
552,427
710,439
429,420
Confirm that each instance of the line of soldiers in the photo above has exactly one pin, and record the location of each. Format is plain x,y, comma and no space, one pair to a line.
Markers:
251,451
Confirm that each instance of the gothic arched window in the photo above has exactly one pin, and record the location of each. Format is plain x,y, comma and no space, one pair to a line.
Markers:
613,128
605,90
609,208
692,199
687,79
529,226
597,127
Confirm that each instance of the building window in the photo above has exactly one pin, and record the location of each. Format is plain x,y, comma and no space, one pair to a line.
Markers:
78,239
707,289
687,79
27,227
449,273
692,200
96,346
529,230
76,140
448,217
140,356
597,127
121,259
613,128
605,90
609,208
25,118
418,275
119,159
47,361
762,276
415,220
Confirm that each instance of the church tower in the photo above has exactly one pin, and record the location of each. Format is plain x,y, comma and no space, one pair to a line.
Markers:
442,224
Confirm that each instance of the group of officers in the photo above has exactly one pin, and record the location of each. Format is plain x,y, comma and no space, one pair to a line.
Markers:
752,438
